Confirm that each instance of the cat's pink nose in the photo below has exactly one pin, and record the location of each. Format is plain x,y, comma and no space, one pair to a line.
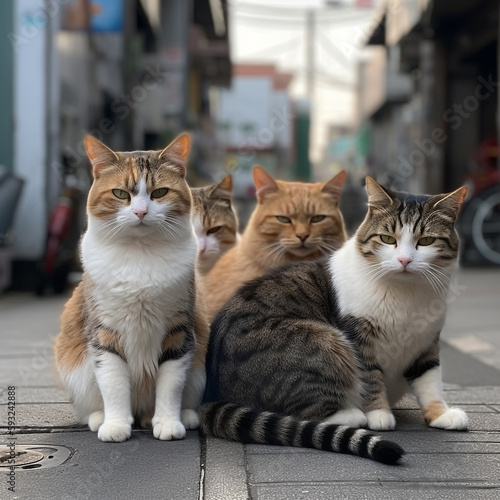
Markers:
404,261
140,213
302,237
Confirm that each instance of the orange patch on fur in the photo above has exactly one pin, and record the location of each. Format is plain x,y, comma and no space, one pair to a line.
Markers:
71,343
173,341
202,333
434,410
110,340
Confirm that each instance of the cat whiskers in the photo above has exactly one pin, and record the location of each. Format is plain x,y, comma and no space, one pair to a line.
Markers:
441,271
171,227
326,249
434,279
277,251
437,277
113,228
376,271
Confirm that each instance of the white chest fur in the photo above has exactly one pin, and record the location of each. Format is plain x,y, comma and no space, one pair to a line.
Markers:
407,316
139,288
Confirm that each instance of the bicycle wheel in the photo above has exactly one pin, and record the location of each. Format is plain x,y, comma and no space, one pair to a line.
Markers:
486,225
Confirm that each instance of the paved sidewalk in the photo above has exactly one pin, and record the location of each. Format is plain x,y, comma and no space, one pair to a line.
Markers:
72,463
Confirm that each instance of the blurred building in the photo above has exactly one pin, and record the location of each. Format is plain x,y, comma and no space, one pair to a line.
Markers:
428,92
133,73
255,125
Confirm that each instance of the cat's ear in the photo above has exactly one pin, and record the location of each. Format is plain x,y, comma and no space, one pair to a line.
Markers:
378,196
100,156
334,186
449,203
224,189
176,153
264,183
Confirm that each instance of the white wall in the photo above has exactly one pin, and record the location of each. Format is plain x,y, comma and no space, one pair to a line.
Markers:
248,102
253,101
30,128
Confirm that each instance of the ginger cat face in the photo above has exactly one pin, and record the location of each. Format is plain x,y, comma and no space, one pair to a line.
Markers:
296,220
292,222
141,193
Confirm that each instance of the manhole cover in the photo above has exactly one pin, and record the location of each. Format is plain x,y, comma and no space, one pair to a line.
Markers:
15,457
26,457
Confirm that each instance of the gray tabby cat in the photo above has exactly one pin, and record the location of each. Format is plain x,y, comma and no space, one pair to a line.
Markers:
333,344
215,222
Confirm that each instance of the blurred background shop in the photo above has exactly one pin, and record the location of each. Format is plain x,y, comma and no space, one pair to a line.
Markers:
403,90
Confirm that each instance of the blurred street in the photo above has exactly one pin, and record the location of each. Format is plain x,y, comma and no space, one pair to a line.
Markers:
404,91
438,464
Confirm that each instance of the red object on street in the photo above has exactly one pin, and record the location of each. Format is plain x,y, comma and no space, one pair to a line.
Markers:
59,224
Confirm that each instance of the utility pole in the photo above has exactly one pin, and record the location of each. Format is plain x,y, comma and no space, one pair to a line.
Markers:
304,108
310,63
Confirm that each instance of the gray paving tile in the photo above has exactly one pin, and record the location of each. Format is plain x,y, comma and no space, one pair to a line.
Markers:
142,467
225,474
40,415
32,370
35,395
373,491
475,395
414,442
323,466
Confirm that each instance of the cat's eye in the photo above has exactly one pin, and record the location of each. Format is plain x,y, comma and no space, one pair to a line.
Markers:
159,193
214,229
121,194
283,219
317,218
426,241
389,240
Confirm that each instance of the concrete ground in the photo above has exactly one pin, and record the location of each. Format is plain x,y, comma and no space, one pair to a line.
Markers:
64,460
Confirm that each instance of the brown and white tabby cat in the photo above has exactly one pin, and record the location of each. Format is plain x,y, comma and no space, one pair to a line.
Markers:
336,343
215,222
292,222
133,334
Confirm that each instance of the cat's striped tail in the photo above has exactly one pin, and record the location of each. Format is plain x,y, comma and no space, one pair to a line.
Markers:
237,423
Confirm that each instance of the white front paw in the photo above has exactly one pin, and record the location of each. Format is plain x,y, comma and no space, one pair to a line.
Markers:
95,420
114,431
452,419
381,420
353,417
190,419
167,429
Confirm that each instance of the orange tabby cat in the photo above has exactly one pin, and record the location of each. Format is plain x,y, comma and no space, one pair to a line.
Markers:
293,221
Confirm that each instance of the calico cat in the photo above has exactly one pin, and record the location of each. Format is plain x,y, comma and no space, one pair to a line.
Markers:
293,221
339,341
215,222
134,334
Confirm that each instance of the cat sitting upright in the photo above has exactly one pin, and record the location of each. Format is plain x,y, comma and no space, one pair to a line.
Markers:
133,334
300,353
